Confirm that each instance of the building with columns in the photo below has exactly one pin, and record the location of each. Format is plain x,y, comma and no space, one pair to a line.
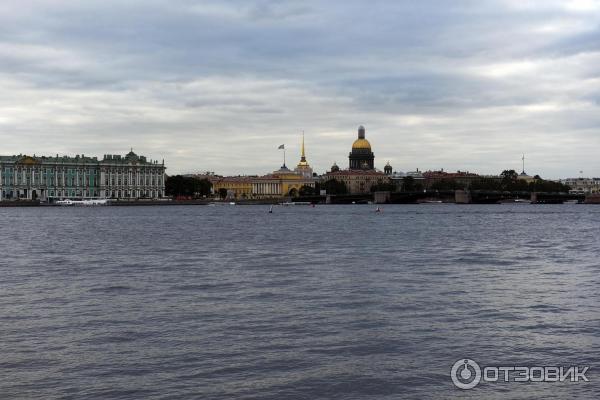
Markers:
236,187
283,182
80,177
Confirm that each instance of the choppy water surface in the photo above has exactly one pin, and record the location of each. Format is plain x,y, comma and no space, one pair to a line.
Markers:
332,302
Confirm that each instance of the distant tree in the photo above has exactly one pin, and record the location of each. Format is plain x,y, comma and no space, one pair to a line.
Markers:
548,186
306,191
408,184
179,185
223,193
490,184
509,175
510,181
334,186
383,187
446,184
203,187
520,185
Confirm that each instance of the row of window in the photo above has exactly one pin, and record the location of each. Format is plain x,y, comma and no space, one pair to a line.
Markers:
136,180
74,170
72,193
51,181
81,180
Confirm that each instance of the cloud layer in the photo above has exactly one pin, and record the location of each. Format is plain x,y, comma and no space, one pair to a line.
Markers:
218,85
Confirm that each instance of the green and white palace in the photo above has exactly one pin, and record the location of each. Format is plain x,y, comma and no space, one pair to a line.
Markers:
81,177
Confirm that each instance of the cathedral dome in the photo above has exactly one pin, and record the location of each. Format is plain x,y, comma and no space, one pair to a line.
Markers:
361,157
360,144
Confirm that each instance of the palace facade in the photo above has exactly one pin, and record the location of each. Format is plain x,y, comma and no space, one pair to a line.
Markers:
79,177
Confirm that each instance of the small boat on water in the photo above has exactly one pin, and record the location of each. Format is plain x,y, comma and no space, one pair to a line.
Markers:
271,210
296,203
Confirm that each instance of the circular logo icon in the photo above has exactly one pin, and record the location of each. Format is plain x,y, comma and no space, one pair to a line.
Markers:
465,374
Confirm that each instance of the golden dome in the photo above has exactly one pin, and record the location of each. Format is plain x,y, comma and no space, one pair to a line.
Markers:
361,144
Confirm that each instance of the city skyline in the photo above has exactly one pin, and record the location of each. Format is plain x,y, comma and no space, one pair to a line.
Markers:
219,85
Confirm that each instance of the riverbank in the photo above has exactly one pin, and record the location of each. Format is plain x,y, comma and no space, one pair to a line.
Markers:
121,203
138,203
458,197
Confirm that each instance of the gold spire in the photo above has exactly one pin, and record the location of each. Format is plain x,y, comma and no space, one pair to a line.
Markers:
303,156
303,161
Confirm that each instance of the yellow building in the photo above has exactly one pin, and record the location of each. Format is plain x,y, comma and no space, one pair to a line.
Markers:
280,183
283,182
237,187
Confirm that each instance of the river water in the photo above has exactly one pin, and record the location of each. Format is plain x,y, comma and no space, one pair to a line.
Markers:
331,302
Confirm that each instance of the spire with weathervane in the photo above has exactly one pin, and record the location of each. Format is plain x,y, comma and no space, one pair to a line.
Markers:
303,161
303,166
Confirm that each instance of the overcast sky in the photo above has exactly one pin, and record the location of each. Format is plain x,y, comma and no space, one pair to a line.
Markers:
218,85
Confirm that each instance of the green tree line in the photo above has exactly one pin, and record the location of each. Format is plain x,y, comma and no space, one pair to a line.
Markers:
185,186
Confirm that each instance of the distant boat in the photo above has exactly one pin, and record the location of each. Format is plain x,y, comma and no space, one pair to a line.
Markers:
296,203
378,209
271,210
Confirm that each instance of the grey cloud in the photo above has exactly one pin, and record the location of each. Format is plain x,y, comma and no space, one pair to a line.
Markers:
215,85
